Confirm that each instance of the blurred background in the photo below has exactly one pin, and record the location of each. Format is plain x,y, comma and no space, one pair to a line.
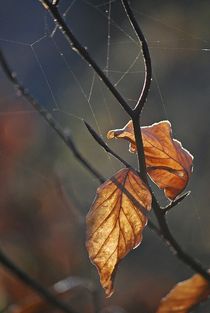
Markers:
45,193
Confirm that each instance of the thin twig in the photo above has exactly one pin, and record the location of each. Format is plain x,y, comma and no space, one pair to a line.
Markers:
76,45
146,55
33,284
100,141
49,119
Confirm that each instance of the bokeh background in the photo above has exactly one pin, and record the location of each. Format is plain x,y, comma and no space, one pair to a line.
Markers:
45,193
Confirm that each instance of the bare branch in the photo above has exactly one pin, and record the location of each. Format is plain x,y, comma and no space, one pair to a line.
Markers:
140,148
147,60
76,45
44,293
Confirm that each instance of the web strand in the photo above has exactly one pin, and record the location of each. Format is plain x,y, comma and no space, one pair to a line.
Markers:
108,37
45,77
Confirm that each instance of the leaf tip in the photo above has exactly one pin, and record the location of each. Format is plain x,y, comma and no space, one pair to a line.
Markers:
110,134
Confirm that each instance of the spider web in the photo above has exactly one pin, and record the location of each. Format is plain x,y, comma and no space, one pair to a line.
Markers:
57,77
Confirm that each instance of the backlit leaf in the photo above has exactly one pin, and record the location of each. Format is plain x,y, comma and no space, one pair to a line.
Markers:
168,163
115,222
185,295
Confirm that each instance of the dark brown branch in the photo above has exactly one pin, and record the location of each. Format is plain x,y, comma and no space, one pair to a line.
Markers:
147,60
140,148
44,293
50,120
100,141
76,45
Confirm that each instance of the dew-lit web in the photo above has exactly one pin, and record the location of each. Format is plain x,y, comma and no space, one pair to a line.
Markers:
71,90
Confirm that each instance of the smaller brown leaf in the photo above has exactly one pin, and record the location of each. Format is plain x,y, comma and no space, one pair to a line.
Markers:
185,295
168,164
115,223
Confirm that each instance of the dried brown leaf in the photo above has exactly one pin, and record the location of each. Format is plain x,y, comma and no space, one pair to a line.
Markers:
185,295
115,223
168,163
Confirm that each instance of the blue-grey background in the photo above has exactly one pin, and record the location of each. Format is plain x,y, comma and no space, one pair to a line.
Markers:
45,192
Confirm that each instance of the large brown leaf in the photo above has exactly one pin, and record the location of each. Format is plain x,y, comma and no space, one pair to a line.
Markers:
168,163
185,295
115,222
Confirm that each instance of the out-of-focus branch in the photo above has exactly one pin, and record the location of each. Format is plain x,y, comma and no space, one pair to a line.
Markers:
44,293
49,119
63,289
